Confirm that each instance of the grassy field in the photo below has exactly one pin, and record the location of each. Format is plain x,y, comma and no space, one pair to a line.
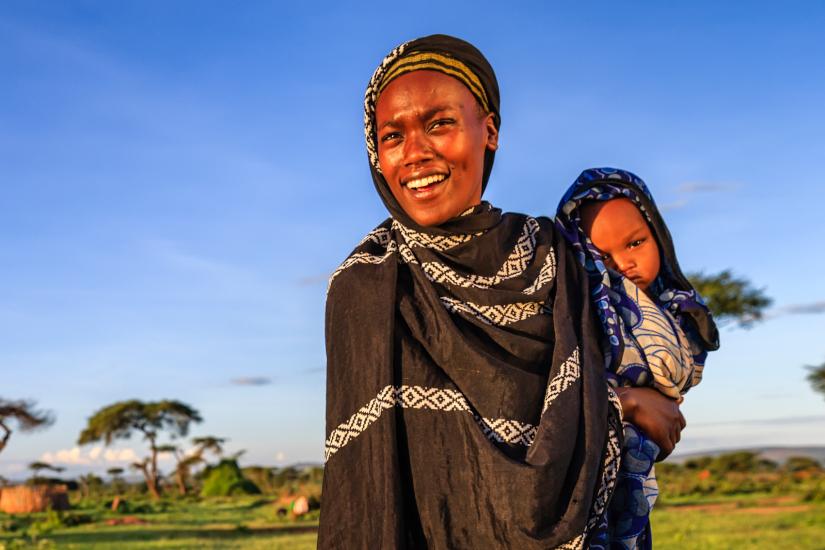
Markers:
229,523
739,521
765,521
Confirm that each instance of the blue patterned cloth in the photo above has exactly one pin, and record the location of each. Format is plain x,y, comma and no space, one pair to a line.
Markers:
660,341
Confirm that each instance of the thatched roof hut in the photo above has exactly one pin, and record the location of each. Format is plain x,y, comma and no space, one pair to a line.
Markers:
25,499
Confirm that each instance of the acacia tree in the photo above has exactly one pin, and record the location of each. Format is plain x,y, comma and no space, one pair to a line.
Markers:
185,462
120,420
24,414
731,298
37,467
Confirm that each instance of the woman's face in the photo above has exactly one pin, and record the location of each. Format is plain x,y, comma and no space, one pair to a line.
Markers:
618,230
432,137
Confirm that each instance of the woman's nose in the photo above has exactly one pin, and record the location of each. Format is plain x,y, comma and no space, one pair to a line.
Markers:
417,149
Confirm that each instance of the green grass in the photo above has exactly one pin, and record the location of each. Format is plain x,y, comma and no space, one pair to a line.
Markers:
687,523
749,521
237,523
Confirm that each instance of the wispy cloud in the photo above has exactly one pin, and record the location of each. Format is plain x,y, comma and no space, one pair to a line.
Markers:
313,280
314,370
686,190
812,308
251,381
691,187
673,205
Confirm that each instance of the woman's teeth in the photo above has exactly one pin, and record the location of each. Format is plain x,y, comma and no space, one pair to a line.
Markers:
423,182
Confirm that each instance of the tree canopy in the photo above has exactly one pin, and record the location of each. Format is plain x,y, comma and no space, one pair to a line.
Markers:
119,420
731,298
24,414
816,376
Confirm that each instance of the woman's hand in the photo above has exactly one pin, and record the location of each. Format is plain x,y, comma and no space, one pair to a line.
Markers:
655,414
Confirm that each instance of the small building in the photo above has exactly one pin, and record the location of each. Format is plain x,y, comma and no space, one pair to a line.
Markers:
25,499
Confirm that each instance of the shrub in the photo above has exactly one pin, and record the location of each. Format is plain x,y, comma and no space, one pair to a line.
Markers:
226,479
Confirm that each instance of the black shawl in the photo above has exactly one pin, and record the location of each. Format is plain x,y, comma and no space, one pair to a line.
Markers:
466,399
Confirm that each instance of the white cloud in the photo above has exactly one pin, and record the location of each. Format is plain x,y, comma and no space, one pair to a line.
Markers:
120,455
94,456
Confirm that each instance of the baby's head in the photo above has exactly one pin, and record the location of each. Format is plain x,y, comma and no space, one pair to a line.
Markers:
619,230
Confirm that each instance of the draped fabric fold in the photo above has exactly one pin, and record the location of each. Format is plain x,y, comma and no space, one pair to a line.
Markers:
461,416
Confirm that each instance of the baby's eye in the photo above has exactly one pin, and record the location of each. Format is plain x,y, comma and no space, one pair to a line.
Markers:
635,243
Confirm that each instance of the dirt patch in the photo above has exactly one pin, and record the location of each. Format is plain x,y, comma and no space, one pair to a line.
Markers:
126,520
712,507
759,507
768,510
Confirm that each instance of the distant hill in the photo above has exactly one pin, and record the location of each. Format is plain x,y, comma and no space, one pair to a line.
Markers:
776,454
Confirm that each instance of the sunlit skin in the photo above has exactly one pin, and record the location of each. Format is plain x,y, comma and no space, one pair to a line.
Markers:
429,125
618,229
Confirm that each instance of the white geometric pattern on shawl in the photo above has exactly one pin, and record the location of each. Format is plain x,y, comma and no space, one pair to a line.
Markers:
575,544
380,236
500,315
546,274
610,473
515,264
569,372
363,258
439,243
444,399
420,397
610,466
613,397
519,260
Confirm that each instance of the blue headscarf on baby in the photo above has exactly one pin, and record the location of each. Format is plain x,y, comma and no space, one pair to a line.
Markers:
671,290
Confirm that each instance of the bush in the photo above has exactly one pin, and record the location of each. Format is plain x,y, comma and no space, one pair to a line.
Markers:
226,479
802,464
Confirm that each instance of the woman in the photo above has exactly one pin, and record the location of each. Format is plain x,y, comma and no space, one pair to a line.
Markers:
467,405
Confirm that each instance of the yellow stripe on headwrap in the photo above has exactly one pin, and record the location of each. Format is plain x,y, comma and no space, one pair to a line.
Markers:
437,62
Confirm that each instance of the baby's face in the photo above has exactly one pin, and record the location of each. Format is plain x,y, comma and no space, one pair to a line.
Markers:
618,229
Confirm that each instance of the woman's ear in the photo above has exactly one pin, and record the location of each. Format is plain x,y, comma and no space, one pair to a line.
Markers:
492,132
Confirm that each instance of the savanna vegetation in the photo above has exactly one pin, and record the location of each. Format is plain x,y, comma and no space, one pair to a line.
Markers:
739,500
207,500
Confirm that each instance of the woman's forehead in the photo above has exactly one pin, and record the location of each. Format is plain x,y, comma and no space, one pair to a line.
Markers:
424,89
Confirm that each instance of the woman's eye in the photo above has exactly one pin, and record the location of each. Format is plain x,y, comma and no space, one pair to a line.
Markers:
389,137
635,243
441,122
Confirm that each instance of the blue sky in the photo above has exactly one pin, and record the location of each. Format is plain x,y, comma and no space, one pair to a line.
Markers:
177,179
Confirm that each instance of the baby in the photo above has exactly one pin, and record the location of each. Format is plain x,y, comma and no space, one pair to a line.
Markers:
658,329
